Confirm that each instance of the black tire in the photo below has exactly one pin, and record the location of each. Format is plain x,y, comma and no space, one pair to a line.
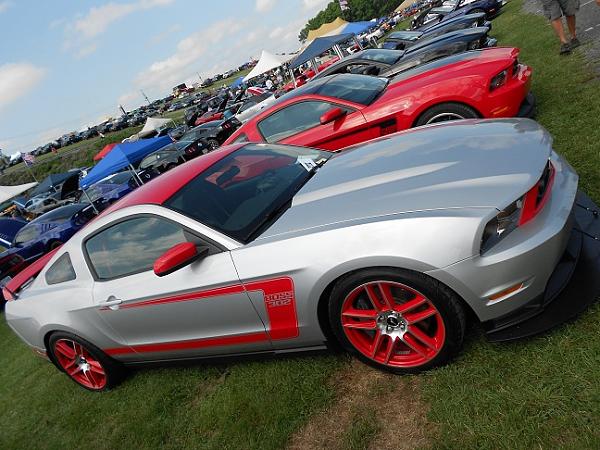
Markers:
212,144
443,299
54,244
170,166
458,110
113,371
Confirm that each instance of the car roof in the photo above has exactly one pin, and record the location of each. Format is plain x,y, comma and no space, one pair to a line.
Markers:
160,189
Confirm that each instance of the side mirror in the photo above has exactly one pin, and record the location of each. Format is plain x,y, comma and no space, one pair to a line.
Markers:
176,257
331,115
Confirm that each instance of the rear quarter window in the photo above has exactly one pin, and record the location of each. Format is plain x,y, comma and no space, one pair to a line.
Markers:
62,270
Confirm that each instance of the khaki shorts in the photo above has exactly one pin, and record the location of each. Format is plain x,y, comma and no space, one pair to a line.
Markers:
554,9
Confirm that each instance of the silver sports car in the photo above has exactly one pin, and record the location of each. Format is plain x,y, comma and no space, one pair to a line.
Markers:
385,248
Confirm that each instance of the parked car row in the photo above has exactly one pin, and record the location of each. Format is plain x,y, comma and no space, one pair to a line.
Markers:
397,194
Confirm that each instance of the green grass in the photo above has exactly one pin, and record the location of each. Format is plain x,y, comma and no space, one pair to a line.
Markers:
249,405
545,392
538,393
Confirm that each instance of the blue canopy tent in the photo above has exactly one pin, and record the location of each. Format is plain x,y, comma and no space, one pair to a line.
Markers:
358,27
237,82
319,46
122,156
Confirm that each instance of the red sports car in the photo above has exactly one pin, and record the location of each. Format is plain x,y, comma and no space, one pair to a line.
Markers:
345,109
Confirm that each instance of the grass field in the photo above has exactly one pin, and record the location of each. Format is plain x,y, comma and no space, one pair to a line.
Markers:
541,393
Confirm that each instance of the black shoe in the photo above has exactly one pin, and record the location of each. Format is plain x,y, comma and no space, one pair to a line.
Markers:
575,43
565,49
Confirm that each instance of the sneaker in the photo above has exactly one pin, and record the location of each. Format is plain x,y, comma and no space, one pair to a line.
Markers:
565,48
575,43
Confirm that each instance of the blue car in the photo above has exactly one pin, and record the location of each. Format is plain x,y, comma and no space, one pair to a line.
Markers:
107,191
455,8
43,234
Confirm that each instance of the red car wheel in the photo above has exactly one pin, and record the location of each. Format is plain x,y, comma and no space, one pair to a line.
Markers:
402,322
85,364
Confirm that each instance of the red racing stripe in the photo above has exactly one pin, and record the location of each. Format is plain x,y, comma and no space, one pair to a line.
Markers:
188,345
225,290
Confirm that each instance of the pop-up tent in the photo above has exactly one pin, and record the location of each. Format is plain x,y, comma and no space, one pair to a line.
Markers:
318,47
326,29
122,156
57,179
237,82
357,27
102,153
405,4
152,125
266,62
8,192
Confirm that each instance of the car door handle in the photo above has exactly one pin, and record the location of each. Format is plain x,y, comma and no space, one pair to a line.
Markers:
112,302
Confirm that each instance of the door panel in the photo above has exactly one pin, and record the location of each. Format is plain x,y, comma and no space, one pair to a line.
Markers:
347,130
199,310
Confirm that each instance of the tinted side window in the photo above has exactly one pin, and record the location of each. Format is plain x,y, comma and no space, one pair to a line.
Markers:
292,120
241,138
26,234
132,246
62,270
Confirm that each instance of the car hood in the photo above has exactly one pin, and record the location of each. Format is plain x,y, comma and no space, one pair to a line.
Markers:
466,164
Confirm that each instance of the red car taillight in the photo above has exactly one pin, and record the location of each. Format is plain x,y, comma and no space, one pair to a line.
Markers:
537,196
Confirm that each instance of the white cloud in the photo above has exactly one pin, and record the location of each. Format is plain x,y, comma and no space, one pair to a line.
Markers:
184,62
158,38
265,5
87,50
17,80
4,6
314,4
98,19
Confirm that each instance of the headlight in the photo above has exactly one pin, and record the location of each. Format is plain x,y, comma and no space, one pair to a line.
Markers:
498,80
501,225
519,212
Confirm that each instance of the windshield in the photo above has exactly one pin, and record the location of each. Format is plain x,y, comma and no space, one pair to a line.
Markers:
247,190
360,89
384,56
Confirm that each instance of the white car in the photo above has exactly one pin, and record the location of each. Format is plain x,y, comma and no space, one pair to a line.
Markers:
254,105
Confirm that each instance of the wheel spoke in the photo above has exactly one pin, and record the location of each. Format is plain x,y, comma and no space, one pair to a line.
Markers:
428,341
360,313
411,304
96,367
386,295
369,325
63,348
376,343
414,345
373,297
74,370
390,351
421,315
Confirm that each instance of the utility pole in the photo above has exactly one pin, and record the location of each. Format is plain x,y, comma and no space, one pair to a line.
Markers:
197,73
122,110
145,96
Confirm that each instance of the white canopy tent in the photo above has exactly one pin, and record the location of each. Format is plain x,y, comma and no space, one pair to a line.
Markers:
8,192
266,62
152,125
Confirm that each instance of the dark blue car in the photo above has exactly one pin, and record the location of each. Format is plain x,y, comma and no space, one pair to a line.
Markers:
107,191
44,234
455,8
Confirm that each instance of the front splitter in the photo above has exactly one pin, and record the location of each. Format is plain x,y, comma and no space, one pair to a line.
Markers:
572,288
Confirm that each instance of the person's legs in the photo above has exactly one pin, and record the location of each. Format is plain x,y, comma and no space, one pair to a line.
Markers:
559,30
571,25
553,11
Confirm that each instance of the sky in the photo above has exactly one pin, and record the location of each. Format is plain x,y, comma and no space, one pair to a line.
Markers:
67,64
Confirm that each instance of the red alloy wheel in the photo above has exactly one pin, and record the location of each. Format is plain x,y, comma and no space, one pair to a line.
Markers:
79,364
392,324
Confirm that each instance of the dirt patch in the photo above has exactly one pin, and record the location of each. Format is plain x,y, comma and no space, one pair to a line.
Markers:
393,401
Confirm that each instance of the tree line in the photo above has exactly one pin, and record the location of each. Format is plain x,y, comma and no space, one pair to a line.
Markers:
359,10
